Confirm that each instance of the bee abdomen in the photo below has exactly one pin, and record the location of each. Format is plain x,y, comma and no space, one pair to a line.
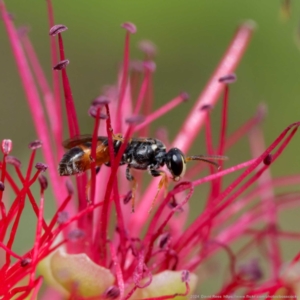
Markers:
72,162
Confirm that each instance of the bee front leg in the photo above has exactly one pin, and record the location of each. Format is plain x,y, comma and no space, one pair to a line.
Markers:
162,183
130,178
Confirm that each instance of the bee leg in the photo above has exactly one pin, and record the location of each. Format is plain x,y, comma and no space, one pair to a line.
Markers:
118,137
87,189
88,186
162,183
130,177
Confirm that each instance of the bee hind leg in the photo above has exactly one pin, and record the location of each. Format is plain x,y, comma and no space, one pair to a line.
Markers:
88,185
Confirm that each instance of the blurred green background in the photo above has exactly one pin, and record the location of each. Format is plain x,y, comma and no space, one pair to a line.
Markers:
191,37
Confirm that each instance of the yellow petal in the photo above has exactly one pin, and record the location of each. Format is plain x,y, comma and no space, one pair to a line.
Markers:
78,274
166,283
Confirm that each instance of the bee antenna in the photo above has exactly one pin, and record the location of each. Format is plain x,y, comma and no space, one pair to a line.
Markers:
202,158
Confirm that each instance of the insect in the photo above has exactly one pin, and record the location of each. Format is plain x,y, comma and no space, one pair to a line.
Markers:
141,153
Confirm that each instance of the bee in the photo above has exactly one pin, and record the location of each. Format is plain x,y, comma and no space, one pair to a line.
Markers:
141,154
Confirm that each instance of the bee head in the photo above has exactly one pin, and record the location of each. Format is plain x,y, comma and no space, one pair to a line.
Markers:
176,163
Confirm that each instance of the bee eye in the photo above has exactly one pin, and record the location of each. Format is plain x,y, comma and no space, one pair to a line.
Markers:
175,163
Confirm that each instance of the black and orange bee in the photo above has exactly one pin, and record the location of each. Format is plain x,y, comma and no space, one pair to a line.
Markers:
141,153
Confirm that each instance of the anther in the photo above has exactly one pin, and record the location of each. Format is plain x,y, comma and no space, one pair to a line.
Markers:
135,119
173,204
41,166
56,29
69,187
93,113
268,159
76,234
127,198
130,27
149,65
185,276
43,181
185,96
22,31
230,78
25,262
164,239
11,16
6,146
62,217
101,100
61,65
112,292
13,161
147,47
136,65
35,145
261,112
252,270
206,107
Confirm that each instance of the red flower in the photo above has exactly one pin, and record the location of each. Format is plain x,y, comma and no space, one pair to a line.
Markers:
94,247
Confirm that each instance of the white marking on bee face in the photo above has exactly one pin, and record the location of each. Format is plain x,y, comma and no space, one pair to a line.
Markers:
154,147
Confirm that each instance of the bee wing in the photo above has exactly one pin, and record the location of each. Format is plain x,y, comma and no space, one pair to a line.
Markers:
80,139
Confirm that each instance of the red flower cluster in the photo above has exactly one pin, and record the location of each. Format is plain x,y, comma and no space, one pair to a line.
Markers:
94,247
